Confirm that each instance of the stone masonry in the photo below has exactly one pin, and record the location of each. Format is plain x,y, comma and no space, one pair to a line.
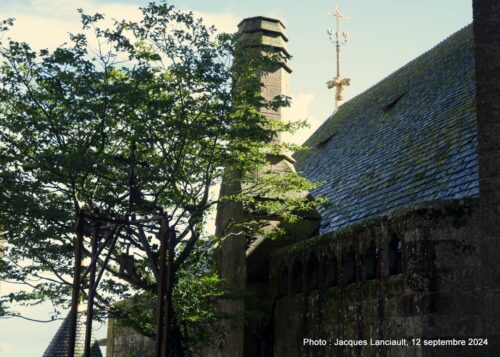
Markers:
487,55
412,275
261,34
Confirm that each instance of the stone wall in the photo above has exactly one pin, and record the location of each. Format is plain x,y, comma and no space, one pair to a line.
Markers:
126,342
260,34
413,275
487,56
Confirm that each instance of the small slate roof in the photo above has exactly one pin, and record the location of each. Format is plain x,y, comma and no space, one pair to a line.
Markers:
58,347
409,139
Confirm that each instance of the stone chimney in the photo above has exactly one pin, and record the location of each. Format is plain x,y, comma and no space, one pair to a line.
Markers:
259,34
267,34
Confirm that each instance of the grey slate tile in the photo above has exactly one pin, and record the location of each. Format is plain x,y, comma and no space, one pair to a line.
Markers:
423,149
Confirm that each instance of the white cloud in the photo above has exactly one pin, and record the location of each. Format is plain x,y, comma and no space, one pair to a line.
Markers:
224,22
299,110
46,23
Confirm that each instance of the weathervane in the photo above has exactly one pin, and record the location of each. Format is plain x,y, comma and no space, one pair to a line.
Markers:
338,82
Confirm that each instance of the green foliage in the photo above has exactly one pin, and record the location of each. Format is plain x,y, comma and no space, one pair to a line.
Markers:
197,289
135,312
141,117
196,292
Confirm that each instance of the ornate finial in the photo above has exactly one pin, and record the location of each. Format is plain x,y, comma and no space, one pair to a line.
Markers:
338,82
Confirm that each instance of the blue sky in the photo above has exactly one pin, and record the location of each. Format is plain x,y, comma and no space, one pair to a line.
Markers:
384,35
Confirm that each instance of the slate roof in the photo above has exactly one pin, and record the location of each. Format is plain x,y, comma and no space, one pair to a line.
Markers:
58,347
409,139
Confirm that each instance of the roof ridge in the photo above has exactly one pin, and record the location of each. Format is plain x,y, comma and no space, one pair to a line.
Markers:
322,135
401,142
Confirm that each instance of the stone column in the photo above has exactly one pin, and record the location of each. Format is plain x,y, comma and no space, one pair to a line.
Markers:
261,34
268,34
487,57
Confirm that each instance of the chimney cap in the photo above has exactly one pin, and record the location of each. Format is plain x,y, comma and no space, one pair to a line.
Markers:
264,18
264,25
261,31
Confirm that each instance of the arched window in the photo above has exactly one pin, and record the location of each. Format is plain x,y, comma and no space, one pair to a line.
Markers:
297,277
350,267
395,256
330,271
370,262
283,282
313,273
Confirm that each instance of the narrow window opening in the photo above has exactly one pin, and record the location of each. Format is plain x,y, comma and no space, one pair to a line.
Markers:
297,277
313,273
330,272
370,262
283,282
395,257
350,267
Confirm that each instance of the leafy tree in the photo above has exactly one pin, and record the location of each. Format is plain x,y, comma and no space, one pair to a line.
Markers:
128,122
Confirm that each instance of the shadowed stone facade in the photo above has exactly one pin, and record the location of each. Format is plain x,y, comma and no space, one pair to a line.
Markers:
126,342
414,274
487,41
261,34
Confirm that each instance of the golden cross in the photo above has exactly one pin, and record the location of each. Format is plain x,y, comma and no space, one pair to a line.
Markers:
338,15
338,82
